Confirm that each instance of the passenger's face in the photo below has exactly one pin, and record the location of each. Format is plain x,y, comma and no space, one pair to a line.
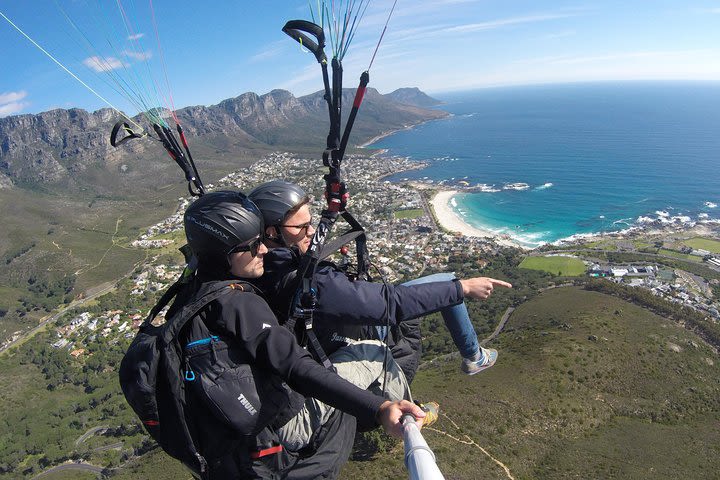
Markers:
297,229
245,265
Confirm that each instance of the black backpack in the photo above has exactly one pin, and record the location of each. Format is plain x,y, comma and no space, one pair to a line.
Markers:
162,380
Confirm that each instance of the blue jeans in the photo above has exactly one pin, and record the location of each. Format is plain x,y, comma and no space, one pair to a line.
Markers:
457,319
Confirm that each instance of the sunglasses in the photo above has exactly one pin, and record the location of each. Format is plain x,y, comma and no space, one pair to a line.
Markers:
251,246
304,226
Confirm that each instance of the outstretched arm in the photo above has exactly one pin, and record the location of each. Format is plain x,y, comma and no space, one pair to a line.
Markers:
365,303
481,287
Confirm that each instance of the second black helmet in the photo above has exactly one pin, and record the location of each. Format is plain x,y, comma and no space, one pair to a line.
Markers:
275,199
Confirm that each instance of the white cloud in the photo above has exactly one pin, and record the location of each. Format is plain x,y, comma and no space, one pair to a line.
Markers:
10,103
566,33
137,36
270,51
138,55
12,108
10,97
614,57
100,64
613,66
403,34
308,80
474,27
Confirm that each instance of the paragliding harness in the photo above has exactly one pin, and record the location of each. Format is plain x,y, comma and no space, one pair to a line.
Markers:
336,193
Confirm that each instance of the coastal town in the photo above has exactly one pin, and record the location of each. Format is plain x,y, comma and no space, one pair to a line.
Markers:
412,230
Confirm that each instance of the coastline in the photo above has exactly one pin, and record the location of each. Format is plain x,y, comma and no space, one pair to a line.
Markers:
451,221
406,127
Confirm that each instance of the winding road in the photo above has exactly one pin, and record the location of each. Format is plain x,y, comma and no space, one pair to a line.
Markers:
71,466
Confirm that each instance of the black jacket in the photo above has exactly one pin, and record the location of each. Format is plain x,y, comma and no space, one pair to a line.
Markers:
246,324
345,308
246,318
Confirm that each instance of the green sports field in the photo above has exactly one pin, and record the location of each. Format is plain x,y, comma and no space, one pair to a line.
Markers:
564,266
704,244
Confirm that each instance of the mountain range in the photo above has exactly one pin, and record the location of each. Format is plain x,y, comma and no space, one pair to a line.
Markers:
64,147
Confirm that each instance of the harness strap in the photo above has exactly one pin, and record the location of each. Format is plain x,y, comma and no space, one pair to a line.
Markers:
315,344
336,243
169,294
266,451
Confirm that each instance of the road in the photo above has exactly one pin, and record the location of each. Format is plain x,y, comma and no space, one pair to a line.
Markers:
96,292
88,295
500,326
92,431
71,466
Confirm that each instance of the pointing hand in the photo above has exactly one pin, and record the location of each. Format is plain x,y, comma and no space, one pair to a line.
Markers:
481,287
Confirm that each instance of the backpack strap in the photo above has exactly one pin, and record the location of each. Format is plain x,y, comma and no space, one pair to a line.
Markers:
173,354
189,310
169,294
185,278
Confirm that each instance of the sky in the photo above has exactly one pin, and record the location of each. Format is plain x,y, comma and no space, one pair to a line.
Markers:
220,49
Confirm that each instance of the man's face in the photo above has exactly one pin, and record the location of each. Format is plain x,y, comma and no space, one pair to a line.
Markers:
245,265
297,229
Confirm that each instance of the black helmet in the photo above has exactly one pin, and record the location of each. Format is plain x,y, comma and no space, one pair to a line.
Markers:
219,221
275,198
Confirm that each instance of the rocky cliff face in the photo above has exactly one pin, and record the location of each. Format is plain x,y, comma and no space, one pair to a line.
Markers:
52,145
64,145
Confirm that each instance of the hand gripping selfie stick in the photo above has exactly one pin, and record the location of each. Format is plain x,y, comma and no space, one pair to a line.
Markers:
419,459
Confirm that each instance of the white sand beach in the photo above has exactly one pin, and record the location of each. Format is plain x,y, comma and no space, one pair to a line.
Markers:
451,221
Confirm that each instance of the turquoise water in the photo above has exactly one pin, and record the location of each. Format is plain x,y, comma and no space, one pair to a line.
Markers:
583,158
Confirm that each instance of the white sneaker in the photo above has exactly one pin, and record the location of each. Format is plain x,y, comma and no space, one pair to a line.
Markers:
486,360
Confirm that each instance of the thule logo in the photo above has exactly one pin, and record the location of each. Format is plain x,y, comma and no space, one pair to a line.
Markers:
246,403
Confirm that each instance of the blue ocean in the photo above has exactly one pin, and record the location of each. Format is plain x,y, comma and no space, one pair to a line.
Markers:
552,162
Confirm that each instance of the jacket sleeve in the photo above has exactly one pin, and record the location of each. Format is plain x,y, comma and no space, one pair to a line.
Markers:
272,347
364,303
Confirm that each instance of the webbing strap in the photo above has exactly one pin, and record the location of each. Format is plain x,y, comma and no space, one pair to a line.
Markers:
336,243
266,451
129,133
315,344
165,299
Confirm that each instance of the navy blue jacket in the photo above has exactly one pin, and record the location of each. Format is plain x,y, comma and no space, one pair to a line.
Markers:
345,308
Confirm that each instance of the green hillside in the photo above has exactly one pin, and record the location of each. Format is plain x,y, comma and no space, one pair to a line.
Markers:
586,386
57,247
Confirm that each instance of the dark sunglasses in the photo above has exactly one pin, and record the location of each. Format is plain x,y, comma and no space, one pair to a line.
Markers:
251,246
302,227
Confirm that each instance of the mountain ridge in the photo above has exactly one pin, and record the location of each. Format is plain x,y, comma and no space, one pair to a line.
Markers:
60,145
